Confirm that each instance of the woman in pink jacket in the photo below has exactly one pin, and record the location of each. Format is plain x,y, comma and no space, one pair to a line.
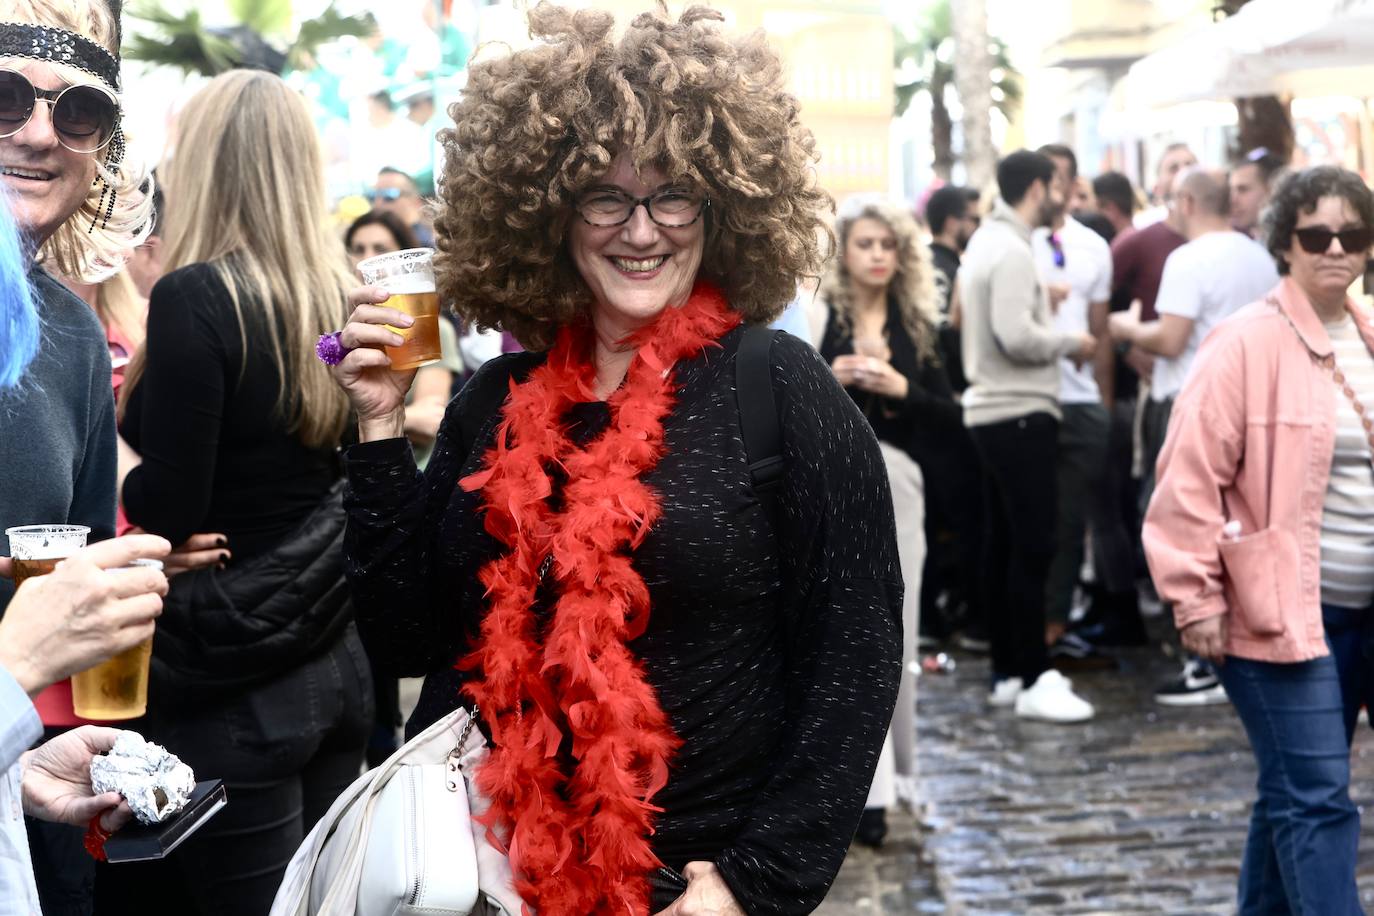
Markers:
1261,534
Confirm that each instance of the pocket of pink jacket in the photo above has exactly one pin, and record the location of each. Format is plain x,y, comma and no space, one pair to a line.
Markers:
1261,577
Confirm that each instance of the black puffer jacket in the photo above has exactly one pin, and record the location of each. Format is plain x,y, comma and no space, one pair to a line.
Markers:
223,630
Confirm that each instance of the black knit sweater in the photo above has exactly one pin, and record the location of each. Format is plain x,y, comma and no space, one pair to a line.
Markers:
775,653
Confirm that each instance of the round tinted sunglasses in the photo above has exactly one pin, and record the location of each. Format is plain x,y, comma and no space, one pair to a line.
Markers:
1317,239
83,116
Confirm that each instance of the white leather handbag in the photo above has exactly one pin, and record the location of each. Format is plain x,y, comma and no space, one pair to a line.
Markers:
402,839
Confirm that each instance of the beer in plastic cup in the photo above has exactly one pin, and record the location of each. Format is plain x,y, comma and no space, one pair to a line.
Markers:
117,688
409,277
36,549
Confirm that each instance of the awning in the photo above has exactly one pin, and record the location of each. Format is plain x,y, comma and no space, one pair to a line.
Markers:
1267,48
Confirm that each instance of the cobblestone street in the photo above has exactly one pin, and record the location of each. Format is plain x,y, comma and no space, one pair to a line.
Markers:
1143,810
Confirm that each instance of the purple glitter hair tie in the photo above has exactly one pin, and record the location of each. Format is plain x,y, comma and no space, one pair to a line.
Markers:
329,349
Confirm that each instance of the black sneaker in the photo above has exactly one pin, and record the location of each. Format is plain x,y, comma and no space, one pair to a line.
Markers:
1197,685
1072,652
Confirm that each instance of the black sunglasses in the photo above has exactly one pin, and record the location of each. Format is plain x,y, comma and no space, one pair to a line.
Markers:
1317,239
83,116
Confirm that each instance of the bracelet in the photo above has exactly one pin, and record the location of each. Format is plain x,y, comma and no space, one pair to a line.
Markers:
95,839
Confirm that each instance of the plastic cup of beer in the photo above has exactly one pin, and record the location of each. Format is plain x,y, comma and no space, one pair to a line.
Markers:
117,688
409,277
36,549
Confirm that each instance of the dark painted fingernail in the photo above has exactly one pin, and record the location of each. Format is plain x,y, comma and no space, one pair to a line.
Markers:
221,542
223,558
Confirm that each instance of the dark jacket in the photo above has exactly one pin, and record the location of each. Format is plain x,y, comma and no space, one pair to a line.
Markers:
223,630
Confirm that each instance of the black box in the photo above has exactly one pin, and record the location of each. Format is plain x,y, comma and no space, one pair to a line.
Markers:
137,842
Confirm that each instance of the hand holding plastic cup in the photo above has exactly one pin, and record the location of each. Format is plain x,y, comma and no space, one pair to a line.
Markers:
117,688
409,277
37,549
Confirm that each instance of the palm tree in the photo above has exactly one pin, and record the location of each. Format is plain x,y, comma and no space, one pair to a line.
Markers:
924,58
262,39
973,79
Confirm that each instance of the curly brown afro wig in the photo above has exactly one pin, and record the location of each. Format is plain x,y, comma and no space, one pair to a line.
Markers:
537,126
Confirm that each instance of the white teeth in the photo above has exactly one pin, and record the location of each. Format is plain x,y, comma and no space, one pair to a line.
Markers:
24,173
643,266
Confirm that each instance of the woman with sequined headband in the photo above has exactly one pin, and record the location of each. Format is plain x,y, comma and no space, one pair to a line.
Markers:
686,683
76,206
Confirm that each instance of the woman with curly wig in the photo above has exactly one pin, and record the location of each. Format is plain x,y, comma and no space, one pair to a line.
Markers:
686,685
881,342
1261,535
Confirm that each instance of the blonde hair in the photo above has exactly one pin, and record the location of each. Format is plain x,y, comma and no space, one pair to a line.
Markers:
248,182
88,246
913,285
118,303
534,128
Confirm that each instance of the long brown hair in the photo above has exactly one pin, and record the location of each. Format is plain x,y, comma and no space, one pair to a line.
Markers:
246,184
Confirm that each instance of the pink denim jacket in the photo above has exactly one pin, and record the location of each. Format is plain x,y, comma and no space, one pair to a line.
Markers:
1250,441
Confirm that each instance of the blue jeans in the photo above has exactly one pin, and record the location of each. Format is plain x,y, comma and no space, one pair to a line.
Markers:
1304,830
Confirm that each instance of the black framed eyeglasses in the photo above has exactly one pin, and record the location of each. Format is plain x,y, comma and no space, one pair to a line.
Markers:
84,117
1317,239
672,209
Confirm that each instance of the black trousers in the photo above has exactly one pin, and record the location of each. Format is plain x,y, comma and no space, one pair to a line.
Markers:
1020,493
1082,461
954,533
285,749
1116,523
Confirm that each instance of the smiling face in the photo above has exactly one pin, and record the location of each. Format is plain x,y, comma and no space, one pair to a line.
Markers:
1325,277
47,181
870,253
636,269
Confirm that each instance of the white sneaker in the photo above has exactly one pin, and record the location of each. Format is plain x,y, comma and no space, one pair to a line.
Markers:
1005,692
1051,699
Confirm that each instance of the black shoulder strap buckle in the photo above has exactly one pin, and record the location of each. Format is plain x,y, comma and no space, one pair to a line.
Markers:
758,412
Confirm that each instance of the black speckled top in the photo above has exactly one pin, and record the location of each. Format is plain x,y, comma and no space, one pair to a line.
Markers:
775,654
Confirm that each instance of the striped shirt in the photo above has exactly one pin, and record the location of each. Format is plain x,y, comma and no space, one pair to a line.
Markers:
1348,511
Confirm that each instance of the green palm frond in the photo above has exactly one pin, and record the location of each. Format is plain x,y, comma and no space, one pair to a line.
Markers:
184,43
261,38
924,55
330,25
268,18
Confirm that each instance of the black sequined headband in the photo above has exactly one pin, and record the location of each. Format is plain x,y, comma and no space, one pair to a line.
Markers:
59,46
70,49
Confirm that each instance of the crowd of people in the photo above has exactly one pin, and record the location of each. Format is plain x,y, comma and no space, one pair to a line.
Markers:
1023,418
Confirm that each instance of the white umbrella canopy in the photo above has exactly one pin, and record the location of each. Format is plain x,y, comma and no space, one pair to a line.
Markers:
1271,46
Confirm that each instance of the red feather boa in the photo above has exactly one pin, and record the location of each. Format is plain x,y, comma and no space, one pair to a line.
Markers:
577,830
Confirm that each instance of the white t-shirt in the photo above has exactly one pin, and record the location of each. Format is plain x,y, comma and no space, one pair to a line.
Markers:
1088,272
1206,280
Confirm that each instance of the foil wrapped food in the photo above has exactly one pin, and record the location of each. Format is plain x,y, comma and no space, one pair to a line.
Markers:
152,779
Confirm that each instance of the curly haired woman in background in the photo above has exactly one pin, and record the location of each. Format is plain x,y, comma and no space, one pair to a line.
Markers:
880,340
686,693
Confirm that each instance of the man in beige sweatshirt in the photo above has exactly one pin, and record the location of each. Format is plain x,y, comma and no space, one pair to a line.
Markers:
1011,355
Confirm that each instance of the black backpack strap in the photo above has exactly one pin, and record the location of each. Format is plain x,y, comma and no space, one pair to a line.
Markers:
758,412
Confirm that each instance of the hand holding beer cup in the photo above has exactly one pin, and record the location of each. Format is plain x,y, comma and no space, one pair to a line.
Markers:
393,331
86,610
